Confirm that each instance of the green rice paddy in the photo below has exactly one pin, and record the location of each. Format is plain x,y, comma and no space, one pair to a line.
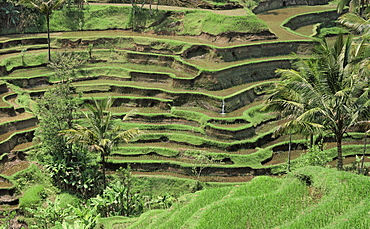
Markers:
167,80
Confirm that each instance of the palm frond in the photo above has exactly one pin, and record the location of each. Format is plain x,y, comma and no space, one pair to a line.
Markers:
129,114
355,22
341,5
127,135
299,127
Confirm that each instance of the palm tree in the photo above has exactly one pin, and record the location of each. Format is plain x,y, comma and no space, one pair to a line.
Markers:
355,6
100,134
287,104
47,8
297,126
355,22
326,91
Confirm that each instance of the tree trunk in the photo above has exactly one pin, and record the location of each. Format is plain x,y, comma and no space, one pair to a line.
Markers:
363,156
103,168
362,8
133,4
150,7
311,140
289,151
128,196
340,154
48,31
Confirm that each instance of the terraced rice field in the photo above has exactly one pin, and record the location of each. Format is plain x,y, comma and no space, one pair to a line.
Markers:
190,95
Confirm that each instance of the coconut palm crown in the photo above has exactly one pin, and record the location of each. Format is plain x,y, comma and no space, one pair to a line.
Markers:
328,92
99,134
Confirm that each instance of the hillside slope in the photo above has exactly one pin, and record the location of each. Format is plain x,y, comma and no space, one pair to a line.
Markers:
311,197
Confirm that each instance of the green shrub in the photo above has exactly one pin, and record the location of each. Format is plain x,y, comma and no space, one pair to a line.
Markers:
314,157
32,197
64,199
55,215
68,19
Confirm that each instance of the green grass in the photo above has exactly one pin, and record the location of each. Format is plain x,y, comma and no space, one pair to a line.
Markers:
94,17
31,197
178,127
265,202
246,160
349,150
160,185
252,115
178,218
23,47
197,22
116,222
194,22
30,73
64,199
332,200
29,60
127,151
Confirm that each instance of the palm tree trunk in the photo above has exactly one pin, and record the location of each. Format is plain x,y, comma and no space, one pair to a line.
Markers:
362,8
289,151
150,7
48,31
133,15
340,154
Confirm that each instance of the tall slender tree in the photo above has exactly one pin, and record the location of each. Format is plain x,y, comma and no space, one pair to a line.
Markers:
99,134
45,7
55,113
287,104
297,126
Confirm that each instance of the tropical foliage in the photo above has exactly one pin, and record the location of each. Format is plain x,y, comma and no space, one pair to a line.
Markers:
355,6
11,15
65,65
356,22
56,215
98,134
118,199
328,93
